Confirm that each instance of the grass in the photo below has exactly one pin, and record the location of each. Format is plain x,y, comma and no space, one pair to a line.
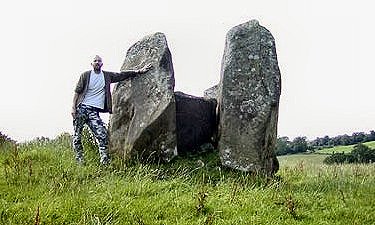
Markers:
370,144
344,149
41,184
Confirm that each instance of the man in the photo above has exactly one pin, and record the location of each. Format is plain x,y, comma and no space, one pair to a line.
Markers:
93,95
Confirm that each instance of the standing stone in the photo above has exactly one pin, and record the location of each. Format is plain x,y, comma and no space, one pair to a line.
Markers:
143,123
196,123
250,90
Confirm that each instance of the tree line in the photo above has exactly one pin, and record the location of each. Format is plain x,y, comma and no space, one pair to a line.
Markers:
285,146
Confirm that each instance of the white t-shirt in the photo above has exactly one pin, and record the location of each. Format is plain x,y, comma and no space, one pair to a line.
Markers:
95,95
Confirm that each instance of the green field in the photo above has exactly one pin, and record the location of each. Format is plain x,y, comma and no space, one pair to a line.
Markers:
41,184
344,149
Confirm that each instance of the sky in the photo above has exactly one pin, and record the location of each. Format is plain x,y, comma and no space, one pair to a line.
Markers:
325,53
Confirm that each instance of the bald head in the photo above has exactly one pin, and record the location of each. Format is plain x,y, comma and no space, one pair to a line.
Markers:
97,64
97,57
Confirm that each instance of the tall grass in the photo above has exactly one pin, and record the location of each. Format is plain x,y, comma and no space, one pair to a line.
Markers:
40,183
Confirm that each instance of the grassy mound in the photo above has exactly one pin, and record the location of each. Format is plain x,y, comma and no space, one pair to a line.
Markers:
40,183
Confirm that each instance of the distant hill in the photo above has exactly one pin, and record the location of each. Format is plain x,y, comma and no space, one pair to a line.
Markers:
344,149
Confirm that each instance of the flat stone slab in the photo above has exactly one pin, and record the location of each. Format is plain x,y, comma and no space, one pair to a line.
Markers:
196,123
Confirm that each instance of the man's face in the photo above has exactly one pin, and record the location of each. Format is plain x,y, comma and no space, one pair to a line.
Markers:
97,63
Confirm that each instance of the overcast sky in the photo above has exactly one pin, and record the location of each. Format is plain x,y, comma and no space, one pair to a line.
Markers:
325,53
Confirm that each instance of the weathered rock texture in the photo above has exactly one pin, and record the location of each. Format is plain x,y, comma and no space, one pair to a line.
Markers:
249,100
196,123
212,92
143,123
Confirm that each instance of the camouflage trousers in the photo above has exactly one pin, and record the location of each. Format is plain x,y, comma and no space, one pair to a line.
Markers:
90,116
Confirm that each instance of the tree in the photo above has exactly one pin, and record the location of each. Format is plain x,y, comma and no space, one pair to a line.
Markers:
345,139
324,141
358,137
370,136
283,146
299,144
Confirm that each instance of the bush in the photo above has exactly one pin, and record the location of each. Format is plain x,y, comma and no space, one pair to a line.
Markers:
360,154
336,158
363,154
6,142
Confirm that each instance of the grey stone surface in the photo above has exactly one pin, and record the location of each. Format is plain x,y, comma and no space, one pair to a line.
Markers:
249,93
212,92
143,123
196,123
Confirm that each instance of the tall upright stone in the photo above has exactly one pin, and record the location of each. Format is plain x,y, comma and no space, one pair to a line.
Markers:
249,90
143,123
